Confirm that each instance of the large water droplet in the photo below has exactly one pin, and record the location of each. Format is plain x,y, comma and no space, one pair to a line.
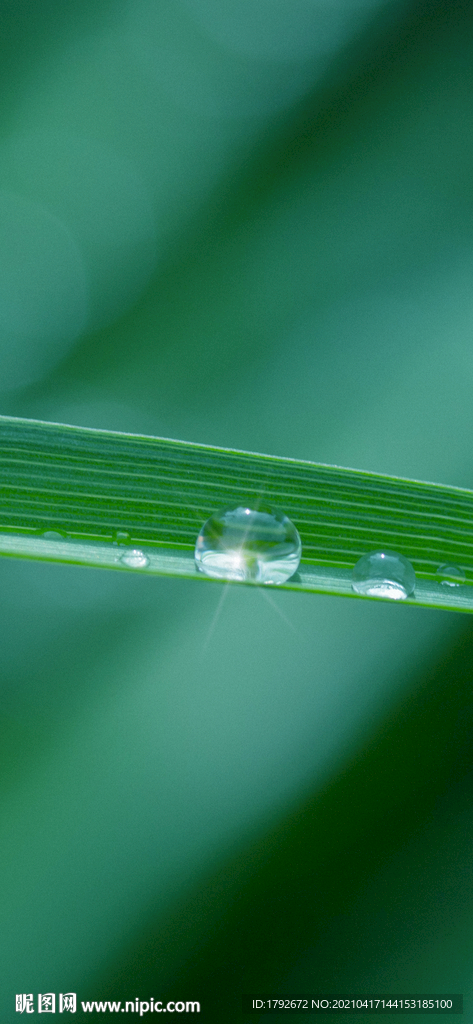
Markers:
241,543
53,535
384,574
134,558
450,575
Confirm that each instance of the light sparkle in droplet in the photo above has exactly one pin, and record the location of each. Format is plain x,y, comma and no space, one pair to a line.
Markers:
248,545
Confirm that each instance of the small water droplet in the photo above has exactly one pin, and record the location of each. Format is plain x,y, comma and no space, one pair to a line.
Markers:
53,535
121,537
450,575
384,574
245,544
134,558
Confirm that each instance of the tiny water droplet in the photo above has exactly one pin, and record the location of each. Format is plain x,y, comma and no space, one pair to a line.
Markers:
53,535
240,543
134,558
450,575
384,574
121,537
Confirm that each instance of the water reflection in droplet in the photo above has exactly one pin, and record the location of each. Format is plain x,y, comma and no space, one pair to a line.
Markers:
384,574
134,559
450,575
240,543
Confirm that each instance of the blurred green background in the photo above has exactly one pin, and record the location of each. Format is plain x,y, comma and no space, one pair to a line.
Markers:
246,223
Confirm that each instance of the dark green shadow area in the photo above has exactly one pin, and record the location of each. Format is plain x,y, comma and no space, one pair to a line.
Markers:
30,31
347,892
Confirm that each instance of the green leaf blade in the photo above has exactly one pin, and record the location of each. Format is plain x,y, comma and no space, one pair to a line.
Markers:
88,484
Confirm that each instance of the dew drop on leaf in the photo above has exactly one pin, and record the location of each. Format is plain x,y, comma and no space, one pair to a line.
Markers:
384,574
134,558
450,575
258,545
